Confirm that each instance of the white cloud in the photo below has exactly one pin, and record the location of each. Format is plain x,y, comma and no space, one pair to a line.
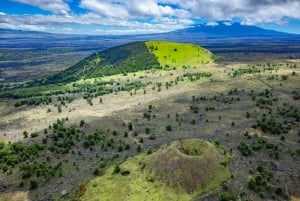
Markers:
148,16
248,11
228,23
132,8
98,22
105,8
55,6
212,24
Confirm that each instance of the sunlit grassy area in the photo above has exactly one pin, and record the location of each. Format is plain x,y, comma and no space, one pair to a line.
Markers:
178,55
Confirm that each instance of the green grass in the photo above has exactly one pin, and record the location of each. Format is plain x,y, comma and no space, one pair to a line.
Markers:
178,55
151,177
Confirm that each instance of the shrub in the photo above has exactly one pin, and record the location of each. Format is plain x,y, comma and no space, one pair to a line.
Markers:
130,126
33,184
226,196
96,172
117,169
82,122
33,135
152,137
169,128
244,149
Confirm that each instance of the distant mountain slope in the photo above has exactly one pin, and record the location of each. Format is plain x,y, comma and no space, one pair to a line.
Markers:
205,33
225,30
133,57
11,31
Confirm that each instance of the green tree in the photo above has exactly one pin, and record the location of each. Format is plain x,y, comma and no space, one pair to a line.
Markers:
33,184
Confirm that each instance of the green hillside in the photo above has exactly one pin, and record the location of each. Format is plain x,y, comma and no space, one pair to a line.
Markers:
179,171
134,57
172,54
131,57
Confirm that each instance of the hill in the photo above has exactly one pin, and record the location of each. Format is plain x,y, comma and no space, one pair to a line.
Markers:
117,60
179,171
134,57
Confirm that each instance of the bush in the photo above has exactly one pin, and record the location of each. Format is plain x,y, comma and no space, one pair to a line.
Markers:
169,128
130,126
244,149
33,135
117,169
33,184
96,172
82,122
152,137
226,196
252,184
103,164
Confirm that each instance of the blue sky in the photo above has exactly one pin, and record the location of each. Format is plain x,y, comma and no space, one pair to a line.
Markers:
144,16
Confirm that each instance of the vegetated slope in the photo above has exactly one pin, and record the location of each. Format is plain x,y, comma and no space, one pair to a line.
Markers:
121,59
171,54
134,57
179,171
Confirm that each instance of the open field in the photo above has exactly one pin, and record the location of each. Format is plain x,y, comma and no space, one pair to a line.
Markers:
17,65
249,110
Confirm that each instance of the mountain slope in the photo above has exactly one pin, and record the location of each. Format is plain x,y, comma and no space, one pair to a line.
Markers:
226,30
133,57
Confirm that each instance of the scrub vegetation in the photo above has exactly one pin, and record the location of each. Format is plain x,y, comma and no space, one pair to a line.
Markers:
121,125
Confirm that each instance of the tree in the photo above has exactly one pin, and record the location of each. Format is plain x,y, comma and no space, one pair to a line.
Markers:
33,135
96,172
25,134
169,128
82,122
117,169
130,126
33,184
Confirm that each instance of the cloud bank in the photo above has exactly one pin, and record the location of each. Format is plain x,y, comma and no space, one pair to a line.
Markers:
147,16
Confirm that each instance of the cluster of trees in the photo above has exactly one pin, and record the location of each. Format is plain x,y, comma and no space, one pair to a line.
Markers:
13,153
252,69
269,125
289,113
242,71
39,170
228,196
262,182
247,149
34,101
196,76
